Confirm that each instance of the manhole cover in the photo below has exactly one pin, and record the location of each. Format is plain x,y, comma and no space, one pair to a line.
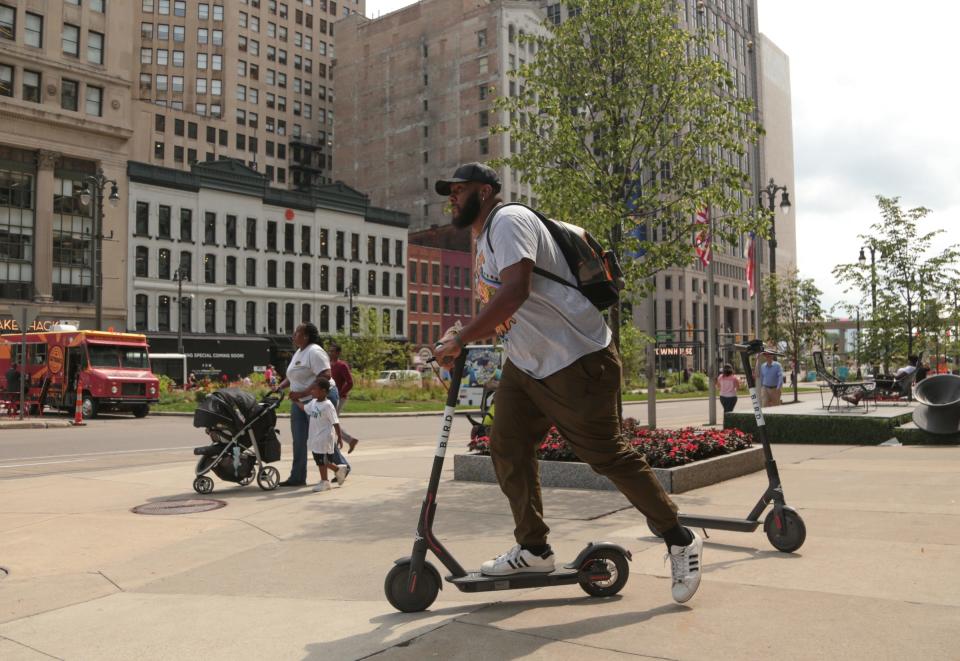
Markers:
187,506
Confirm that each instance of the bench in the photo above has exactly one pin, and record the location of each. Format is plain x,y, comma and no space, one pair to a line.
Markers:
859,391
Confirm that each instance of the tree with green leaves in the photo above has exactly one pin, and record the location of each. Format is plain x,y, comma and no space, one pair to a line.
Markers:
793,316
367,350
907,278
623,119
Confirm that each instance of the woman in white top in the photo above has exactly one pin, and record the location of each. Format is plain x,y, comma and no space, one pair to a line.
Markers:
309,362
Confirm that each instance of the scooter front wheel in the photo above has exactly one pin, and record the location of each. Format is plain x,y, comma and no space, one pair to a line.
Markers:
607,562
424,592
785,529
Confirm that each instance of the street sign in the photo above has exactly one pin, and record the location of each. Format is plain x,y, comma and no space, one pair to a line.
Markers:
25,314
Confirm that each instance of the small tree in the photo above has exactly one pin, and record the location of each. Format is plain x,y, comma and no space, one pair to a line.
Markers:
622,117
793,316
368,351
905,277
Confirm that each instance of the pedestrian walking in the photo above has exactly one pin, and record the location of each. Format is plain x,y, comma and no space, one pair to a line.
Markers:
320,441
770,377
307,363
561,369
727,384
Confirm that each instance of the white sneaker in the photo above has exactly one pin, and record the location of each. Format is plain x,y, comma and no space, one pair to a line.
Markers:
324,485
518,561
685,564
342,471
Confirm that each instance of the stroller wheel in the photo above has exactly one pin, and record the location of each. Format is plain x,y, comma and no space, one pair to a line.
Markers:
203,484
248,479
268,478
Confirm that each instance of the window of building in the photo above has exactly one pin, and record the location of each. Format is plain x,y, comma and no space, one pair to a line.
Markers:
305,281
250,318
163,222
186,225
271,317
251,233
210,228
209,268
324,278
251,272
230,271
8,22
142,260
94,47
31,86
210,316
94,101
142,219
178,58
230,317
163,57
70,40
72,231
33,30
203,36
69,94
163,264
272,235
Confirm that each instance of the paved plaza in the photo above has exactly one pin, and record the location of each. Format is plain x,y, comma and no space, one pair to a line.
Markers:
297,575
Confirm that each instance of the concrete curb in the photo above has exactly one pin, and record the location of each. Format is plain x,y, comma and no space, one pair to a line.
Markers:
576,475
34,424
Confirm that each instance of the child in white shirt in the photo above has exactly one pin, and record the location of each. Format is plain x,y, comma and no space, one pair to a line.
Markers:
320,440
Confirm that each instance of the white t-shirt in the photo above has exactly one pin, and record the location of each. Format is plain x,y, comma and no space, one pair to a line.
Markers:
321,437
557,324
305,365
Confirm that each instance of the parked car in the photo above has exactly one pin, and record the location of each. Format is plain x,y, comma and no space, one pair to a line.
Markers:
399,377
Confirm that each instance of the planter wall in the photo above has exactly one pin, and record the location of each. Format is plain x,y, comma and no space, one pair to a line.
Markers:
910,434
577,475
854,430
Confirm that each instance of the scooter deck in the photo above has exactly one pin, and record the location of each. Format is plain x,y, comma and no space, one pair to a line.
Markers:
718,522
477,582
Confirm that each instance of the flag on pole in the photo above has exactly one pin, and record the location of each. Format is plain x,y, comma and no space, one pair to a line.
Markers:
751,263
701,236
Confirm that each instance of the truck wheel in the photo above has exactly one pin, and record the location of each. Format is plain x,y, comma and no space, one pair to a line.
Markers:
89,407
141,410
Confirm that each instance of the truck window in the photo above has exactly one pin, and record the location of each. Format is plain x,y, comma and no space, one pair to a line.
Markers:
105,355
38,354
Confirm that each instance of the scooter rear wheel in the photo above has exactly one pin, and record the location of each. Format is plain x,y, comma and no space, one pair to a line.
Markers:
610,561
424,593
785,529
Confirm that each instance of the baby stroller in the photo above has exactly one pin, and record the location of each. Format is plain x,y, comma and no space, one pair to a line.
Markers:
244,439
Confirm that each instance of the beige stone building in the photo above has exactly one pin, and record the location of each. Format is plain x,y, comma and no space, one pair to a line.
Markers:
66,73
418,86
245,79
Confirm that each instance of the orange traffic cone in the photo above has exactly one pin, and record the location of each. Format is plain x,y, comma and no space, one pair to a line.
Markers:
78,407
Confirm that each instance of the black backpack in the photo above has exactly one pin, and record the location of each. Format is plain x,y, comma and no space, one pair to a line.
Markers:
598,273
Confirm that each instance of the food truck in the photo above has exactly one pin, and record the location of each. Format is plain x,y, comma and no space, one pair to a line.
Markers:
113,369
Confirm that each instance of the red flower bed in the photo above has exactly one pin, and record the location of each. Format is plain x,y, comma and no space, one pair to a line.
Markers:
664,448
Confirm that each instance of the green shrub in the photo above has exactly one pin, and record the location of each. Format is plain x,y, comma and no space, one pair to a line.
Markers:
699,381
859,430
682,388
166,384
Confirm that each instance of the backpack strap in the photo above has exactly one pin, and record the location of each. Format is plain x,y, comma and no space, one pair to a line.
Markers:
488,226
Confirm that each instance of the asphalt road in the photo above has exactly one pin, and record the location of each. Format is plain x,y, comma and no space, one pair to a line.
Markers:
121,440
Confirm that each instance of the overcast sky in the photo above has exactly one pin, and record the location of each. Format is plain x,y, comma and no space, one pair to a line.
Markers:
875,102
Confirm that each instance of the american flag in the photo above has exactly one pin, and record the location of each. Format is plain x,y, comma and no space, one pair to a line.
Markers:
701,237
751,263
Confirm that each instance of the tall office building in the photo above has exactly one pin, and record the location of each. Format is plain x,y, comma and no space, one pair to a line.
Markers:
245,79
418,88
65,81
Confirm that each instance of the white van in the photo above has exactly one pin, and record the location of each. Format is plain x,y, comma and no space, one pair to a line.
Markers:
399,377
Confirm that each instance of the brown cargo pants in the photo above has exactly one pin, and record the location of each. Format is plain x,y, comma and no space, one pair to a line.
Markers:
581,400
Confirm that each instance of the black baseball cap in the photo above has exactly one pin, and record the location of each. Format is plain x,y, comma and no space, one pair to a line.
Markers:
470,172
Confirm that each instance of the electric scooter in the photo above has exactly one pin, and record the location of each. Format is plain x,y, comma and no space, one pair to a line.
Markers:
783,525
413,583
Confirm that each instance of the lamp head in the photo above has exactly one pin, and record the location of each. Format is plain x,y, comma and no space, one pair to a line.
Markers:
115,194
85,196
862,258
785,201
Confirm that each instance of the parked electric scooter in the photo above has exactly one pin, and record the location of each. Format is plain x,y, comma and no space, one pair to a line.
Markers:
413,583
783,525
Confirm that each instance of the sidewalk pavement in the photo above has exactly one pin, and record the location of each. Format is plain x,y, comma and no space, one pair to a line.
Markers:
296,575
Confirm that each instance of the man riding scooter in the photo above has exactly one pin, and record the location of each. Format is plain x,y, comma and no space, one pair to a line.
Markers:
561,368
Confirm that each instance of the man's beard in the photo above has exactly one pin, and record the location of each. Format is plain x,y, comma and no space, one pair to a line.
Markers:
468,212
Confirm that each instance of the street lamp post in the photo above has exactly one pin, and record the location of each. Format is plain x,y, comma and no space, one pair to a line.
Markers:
768,196
179,276
98,182
859,375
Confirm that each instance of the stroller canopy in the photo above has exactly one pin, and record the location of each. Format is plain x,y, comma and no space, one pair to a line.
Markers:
217,409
